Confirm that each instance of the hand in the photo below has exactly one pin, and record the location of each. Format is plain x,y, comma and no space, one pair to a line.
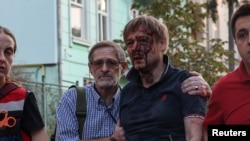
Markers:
119,133
196,85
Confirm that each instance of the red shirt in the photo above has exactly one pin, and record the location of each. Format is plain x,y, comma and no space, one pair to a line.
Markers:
230,100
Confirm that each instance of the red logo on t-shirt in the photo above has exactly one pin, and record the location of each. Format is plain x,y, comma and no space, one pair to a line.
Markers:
164,97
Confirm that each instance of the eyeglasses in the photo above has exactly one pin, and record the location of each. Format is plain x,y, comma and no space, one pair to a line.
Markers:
113,64
242,35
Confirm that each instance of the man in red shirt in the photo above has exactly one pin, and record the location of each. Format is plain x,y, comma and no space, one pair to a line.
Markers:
230,100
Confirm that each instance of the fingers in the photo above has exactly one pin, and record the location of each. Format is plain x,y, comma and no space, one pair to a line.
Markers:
196,85
119,133
197,90
190,83
194,73
118,123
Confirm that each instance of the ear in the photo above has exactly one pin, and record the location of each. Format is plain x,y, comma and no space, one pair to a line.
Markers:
124,66
89,65
163,44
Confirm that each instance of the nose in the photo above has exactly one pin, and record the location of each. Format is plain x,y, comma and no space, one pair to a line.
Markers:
104,66
248,37
2,56
135,46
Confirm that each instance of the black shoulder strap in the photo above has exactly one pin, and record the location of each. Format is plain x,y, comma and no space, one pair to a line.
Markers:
7,88
81,108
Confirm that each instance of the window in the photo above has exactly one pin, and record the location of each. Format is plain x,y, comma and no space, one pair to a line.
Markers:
87,81
134,13
102,17
76,18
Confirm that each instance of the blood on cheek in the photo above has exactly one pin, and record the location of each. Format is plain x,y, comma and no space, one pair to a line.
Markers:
144,44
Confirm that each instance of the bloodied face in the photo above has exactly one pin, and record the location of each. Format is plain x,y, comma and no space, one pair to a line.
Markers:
143,51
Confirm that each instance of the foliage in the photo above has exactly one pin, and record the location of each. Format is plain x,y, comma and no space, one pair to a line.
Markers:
20,76
187,48
212,7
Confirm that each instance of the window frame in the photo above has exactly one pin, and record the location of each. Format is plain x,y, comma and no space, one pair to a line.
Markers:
102,16
88,80
83,39
134,13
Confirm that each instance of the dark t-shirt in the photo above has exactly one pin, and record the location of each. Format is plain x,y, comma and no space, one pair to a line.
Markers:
32,120
157,113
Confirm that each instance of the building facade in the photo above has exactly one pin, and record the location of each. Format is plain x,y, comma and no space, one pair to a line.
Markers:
53,40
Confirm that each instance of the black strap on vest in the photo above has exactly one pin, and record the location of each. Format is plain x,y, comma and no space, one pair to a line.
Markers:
81,110
81,107
7,89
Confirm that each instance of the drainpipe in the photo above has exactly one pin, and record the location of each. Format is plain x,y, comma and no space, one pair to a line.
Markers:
230,36
208,35
44,97
44,109
59,43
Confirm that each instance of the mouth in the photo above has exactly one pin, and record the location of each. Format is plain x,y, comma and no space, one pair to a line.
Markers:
138,56
105,77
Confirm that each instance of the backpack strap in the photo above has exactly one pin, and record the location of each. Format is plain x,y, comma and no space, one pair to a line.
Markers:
81,108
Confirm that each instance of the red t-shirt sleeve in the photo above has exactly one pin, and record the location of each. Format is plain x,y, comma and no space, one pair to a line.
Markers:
214,114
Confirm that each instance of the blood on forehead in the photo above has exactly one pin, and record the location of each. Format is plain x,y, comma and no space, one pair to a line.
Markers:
144,44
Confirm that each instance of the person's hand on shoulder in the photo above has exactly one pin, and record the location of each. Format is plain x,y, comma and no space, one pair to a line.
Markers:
196,85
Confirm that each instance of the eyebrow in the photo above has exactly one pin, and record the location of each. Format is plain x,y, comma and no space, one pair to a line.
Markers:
244,29
139,36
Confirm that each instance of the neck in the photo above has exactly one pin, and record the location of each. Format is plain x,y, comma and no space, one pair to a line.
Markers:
2,82
247,66
151,77
107,93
